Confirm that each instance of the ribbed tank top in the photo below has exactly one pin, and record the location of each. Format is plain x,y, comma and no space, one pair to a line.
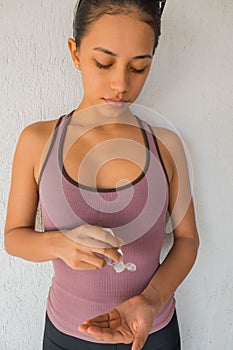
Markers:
136,212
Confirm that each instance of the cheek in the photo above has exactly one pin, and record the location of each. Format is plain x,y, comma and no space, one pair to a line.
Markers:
96,76
92,79
138,83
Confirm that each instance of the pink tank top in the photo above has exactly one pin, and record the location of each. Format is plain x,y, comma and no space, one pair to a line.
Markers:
136,212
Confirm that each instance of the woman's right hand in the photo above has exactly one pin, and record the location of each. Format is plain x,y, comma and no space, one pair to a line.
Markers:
77,247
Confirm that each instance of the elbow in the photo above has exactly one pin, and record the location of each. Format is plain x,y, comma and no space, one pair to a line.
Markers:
196,242
7,244
7,247
196,239
192,239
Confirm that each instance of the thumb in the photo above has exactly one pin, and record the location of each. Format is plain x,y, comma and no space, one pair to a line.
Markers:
140,339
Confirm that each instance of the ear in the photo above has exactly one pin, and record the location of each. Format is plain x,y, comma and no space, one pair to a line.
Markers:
74,52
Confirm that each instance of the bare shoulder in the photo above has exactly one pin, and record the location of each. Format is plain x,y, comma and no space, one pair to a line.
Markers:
169,141
166,136
171,148
38,131
35,140
35,136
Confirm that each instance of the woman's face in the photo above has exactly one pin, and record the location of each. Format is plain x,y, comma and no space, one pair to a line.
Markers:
114,57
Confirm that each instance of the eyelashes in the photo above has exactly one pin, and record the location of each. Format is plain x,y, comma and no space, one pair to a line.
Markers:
134,70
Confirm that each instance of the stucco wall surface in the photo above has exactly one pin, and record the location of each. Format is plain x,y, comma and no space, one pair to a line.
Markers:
191,86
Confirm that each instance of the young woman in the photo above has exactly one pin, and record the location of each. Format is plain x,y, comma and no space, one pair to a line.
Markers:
130,175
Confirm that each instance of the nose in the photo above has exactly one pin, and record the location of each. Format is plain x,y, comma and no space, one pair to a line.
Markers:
120,80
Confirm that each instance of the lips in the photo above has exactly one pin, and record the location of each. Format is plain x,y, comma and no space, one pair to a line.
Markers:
116,103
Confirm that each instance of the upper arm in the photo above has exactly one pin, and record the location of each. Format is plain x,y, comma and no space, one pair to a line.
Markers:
23,196
181,206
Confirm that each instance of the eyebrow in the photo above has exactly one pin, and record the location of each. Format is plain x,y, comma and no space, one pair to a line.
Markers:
101,49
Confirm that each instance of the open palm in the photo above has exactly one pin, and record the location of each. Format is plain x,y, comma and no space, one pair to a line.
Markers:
128,322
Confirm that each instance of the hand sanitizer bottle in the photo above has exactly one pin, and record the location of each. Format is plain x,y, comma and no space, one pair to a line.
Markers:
118,267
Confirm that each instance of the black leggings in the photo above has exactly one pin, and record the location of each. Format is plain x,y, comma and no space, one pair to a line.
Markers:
168,338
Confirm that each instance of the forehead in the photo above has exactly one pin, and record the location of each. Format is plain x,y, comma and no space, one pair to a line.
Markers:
120,34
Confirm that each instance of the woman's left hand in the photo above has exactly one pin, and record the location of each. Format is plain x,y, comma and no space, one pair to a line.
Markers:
128,322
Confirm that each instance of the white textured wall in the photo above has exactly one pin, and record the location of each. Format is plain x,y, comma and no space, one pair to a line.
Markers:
191,85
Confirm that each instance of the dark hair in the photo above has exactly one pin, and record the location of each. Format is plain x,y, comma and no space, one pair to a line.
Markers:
89,11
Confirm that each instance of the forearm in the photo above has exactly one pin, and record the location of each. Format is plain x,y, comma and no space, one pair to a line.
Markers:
30,245
172,271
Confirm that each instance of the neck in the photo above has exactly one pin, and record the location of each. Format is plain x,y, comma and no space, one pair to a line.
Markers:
103,115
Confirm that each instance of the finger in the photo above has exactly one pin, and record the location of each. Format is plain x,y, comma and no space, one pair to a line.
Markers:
98,324
83,328
109,320
89,242
112,317
93,236
111,253
84,265
114,337
94,242
105,334
100,318
101,235
93,332
109,335
139,340
94,262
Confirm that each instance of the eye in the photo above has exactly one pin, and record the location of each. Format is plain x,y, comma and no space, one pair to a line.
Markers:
134,70
102,66
138,71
